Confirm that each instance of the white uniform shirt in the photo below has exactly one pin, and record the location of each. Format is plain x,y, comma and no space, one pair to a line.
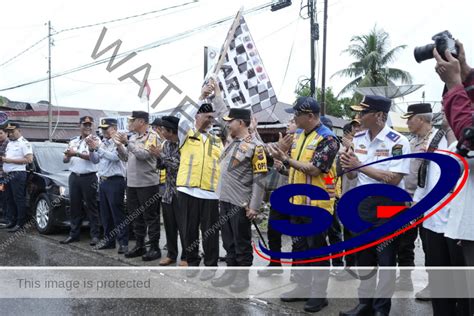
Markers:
461,218
386,144
79,165
437,222
17,149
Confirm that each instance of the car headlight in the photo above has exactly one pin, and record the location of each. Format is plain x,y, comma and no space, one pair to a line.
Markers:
63,191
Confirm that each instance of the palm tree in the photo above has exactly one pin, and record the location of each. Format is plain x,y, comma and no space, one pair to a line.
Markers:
372,55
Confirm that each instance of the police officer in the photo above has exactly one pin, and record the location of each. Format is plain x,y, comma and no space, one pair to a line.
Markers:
82,183
376,143
419,118
111,173
142,185
241,190
197,179
312,161
17,155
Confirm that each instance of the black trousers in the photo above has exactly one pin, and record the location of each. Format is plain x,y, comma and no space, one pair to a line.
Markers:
444,252
83,191
204,214
378,294
144,205
313,282
236,235
16,191
175,222
111,192
274,236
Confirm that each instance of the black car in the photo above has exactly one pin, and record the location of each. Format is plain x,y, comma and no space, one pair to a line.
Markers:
47,190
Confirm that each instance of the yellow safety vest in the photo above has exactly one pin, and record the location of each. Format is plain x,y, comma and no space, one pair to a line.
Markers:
199,165
303,150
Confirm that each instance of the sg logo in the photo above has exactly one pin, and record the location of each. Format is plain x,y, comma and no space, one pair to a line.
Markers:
347,211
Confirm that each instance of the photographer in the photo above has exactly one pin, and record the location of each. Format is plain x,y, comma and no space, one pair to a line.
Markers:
458,106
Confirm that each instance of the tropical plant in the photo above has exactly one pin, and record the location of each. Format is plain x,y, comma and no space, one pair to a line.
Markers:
373,55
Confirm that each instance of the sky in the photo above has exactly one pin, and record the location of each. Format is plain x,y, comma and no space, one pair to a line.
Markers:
281,37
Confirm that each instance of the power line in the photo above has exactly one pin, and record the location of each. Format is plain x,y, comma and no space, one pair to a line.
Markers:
123,19
92,25
142,48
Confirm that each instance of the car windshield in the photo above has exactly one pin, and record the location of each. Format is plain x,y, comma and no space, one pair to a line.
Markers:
50,157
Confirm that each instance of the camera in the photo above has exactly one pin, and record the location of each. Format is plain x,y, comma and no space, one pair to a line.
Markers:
442,41
466,143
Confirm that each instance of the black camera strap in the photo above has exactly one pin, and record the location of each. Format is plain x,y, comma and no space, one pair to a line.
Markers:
425,163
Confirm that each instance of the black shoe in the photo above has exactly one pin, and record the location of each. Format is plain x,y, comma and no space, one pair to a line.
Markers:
153,254
191,273
137,251
4,221
68,240
359,310
94,241
298,294
207,274
122,249
241,282
15,229
105,246
225,279
314,305
269,271
8,226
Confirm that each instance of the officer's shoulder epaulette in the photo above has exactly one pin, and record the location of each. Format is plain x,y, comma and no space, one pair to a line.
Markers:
359,134
393,136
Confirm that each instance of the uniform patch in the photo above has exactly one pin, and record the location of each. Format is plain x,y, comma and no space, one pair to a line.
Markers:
360,134
362,146
259,160
393,136
397,150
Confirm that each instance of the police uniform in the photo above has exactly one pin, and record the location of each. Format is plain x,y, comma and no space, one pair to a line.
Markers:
318,147
243,168
387,143
112,170
15,178
143,197
83,189
406,241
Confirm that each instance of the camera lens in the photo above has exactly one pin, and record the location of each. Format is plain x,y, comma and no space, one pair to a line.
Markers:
422,53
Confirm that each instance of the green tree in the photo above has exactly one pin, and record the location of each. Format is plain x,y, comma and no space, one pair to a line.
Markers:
338,107
373,55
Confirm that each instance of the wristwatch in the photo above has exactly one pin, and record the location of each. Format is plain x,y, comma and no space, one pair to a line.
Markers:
286,163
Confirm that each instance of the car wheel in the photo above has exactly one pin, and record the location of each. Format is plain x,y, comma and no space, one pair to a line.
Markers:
43,215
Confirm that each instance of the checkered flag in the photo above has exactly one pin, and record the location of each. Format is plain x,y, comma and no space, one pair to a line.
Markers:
239,68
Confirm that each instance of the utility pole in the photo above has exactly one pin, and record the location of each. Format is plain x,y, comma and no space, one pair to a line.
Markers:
314,36
323,75
50,109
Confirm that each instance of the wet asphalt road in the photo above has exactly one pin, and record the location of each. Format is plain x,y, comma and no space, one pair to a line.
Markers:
33,249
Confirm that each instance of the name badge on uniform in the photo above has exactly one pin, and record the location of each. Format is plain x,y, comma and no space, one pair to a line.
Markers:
259,160
382,152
